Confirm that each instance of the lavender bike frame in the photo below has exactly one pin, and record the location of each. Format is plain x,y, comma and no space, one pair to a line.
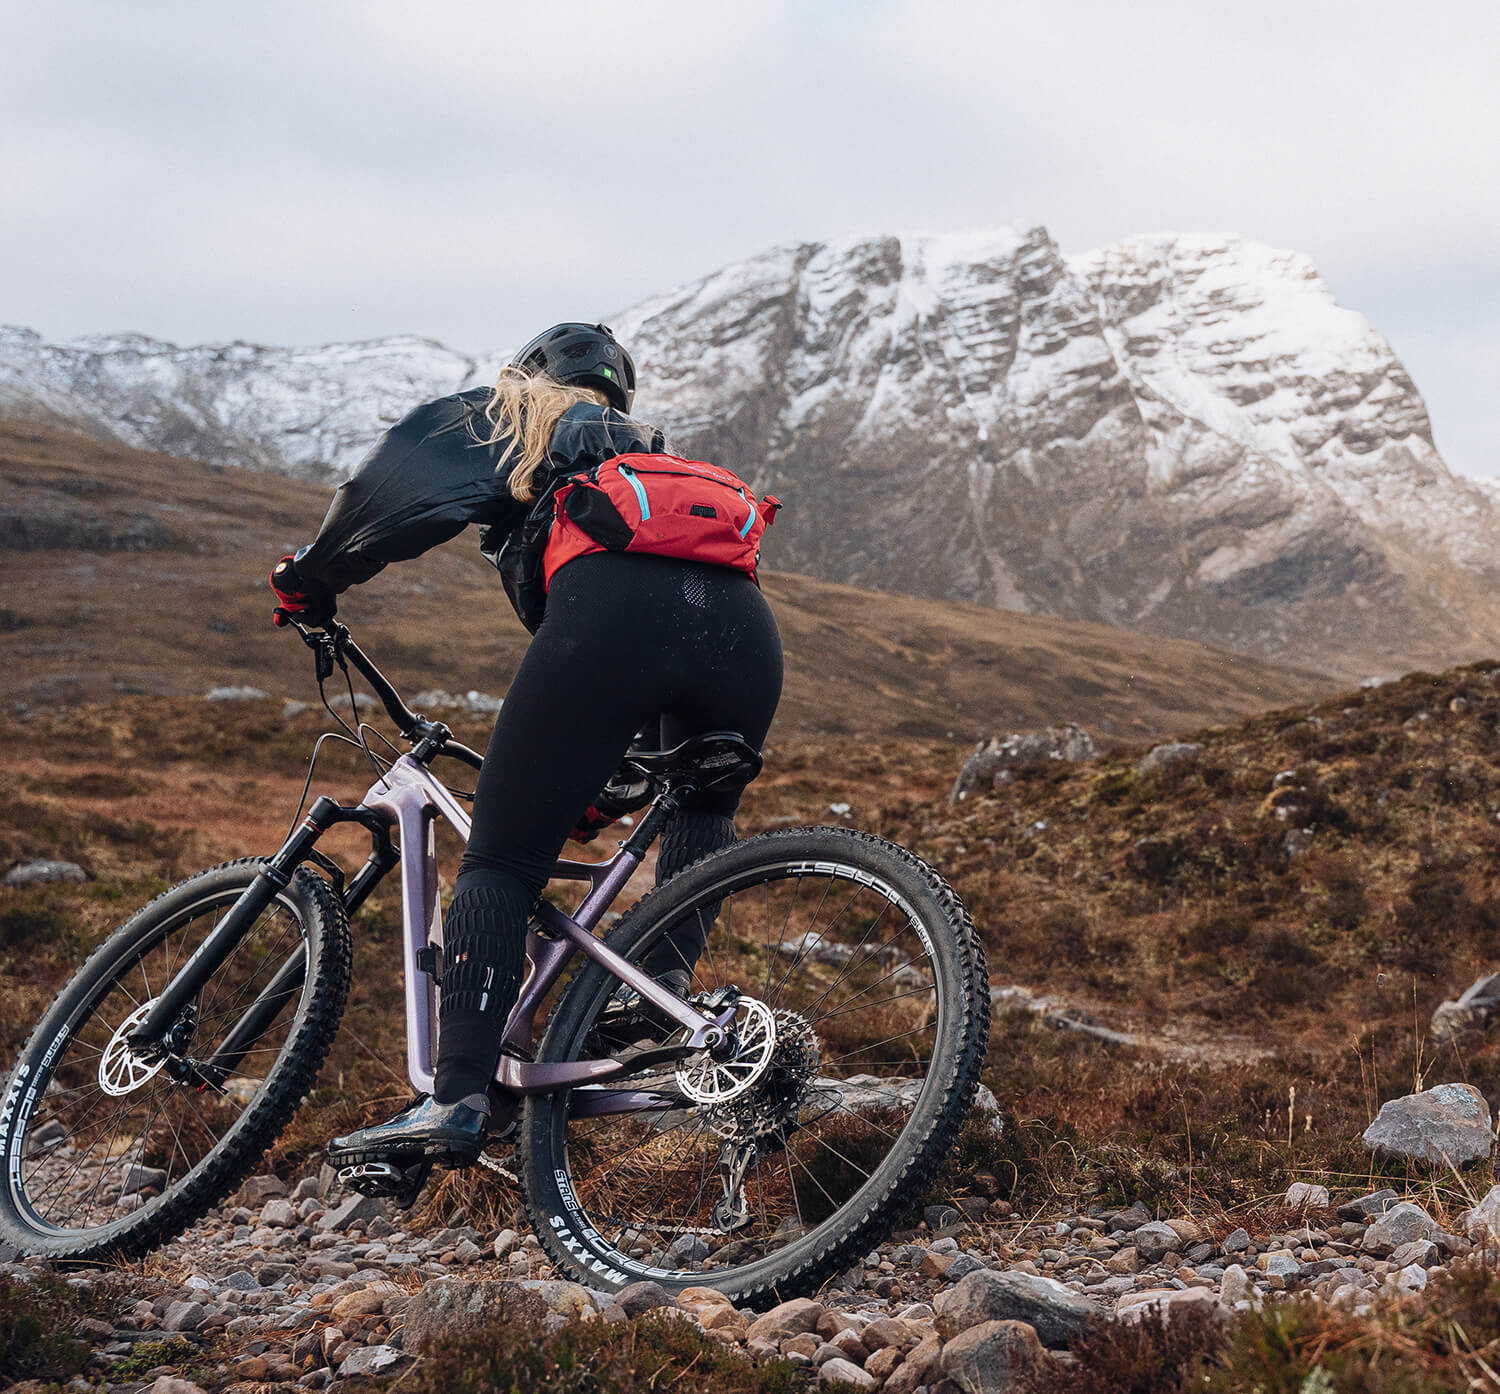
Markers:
411,798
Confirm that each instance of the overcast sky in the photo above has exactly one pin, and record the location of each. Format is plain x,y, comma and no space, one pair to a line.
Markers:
301,172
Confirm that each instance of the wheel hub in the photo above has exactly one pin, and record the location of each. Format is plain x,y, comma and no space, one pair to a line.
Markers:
706,1080
121,1070
776,1098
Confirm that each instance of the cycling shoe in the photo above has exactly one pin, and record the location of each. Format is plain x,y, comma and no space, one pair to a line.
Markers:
453,1134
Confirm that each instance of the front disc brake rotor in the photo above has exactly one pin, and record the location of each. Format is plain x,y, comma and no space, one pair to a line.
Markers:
121,1070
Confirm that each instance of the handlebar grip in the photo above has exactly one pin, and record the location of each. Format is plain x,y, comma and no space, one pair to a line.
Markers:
459,751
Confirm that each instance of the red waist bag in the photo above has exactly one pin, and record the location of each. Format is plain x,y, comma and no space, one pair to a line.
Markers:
662,505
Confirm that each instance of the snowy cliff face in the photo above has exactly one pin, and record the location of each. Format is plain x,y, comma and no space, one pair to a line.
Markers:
1184,435
311,413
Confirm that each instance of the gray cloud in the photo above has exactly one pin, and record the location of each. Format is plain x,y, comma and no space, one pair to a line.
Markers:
349,168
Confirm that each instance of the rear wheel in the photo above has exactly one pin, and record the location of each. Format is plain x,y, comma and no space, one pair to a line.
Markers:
862,1018
105,1153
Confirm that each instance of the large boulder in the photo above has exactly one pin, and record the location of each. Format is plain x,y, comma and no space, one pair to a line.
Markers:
450,1307
1055,1312
995,761
1445,1126
990,1358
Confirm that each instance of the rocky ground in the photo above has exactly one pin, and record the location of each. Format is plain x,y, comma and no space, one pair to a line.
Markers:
303,1286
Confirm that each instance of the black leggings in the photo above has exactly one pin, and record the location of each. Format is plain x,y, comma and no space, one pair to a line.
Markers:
627,641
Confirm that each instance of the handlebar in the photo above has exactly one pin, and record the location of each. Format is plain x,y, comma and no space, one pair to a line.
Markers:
334,642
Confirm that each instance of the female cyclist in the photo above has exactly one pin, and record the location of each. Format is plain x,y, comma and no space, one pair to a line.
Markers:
622,641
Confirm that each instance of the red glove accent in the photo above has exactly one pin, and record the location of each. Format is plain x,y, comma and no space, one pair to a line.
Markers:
588,827
297,602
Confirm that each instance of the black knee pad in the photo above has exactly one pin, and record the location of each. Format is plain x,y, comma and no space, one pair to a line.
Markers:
484,947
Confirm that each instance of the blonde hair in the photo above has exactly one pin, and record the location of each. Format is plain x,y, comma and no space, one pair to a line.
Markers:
523,411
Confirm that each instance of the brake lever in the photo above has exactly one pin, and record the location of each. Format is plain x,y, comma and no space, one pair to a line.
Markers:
324,647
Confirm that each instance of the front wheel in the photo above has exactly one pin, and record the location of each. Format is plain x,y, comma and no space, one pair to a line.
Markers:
109,1154
862,1018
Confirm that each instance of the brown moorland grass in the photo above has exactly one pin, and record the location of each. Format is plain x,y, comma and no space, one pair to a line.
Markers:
1277,998
182,605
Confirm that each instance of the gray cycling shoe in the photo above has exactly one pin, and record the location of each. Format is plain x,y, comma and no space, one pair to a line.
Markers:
628,1018
453,1134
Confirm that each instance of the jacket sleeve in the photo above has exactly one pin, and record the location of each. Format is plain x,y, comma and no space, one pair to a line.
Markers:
424,482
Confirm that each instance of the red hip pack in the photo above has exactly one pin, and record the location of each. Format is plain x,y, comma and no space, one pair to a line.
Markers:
661,505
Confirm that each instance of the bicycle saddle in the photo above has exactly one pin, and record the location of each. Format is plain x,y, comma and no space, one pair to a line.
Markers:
717,757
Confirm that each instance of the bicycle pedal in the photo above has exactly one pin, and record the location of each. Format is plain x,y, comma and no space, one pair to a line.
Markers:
387,1180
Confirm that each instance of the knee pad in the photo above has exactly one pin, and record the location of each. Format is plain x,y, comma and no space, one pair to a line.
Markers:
484,946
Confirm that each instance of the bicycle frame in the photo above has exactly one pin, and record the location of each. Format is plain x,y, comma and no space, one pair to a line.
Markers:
409,798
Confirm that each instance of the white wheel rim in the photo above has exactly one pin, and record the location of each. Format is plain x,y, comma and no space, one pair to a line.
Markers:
121,1071
713,1081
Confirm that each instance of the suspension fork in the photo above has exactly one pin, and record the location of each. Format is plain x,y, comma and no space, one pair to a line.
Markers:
150,1037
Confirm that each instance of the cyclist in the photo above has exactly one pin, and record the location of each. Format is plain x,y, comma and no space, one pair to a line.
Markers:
622,641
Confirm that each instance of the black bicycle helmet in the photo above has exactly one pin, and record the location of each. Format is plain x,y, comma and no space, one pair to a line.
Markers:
583,354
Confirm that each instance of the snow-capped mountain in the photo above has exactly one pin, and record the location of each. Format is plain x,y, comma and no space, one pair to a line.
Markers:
309,412
1180,434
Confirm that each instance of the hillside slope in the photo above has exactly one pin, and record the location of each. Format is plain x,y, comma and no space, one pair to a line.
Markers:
135,572
1178,434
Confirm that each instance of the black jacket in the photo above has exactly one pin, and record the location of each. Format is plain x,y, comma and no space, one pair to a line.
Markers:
431,475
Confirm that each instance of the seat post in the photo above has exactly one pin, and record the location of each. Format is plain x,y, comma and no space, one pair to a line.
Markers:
647,830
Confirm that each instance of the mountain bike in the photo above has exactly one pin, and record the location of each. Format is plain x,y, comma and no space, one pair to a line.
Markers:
774,1121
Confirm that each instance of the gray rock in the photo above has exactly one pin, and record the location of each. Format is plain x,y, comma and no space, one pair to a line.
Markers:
636,1298
1401,1224
792,1318
1154,1241
183,1316
1131,1218
505,1241
235,694
993,762
1055,1312
1419,1251
1376,1203
279,1214
44,873
1484,1218
1235,1286
962,1266
845,1372
1168,1303
257,1190
1300,1195
990,1358
370,1360
172,1384
356,1210
687,1248
448,1308
138,1178
1163,757
1445,1126
1471,1012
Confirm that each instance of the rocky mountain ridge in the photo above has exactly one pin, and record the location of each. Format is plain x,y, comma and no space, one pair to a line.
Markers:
1183,435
